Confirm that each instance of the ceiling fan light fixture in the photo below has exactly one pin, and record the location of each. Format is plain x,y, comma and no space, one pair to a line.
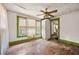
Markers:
47,14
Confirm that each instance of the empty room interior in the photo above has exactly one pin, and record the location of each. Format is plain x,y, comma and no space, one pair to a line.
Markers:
39,29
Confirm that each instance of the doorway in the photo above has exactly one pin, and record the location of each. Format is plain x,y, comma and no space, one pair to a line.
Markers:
55,28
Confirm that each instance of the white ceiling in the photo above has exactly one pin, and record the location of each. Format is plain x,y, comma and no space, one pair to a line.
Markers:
33,9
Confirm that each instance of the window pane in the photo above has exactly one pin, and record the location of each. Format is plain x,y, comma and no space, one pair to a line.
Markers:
31,31
22,27
22,22
22,31
30,22
31,27
38,28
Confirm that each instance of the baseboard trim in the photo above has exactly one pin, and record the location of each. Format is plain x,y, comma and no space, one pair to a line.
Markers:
20,41
69,42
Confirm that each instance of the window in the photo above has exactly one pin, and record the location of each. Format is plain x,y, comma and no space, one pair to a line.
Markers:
38,28
28,27
21,26
31,27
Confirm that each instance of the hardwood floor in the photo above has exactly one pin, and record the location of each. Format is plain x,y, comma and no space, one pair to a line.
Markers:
42,47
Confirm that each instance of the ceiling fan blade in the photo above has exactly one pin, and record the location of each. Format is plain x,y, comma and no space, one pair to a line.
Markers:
46,9
53,11
51,15
40,14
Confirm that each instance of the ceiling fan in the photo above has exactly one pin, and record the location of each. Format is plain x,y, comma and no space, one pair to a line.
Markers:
47,13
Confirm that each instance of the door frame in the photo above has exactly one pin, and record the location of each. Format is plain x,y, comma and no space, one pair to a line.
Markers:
58,18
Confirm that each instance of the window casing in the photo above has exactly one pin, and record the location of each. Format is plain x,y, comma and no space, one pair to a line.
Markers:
28,27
